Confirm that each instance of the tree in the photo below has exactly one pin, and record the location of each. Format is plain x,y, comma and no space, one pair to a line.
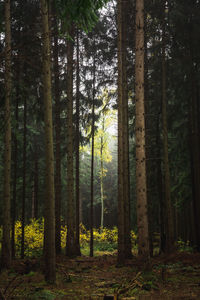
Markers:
24,177
124,243
71,240
141,190
6,242
49,223
77,144
169,218
92,159
101,146
57,136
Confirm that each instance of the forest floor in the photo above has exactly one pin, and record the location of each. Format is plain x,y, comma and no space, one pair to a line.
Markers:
169,277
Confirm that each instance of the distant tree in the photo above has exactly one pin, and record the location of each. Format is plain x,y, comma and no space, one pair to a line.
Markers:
71,239
6,242
24,176
92,159
77,144
168,206
56,72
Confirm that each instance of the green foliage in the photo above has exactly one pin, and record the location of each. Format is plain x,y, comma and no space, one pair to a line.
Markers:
184,246
83,13
41,293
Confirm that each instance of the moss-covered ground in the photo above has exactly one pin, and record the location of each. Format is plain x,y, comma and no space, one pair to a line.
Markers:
167,277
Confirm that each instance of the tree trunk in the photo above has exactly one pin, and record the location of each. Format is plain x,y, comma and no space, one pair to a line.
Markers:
24,179
92,165
124,241
57,140
36,184
126,179
141,189
168,207
101,180
34,214
71,238
195,150
77,147
15,167
6,242
49,215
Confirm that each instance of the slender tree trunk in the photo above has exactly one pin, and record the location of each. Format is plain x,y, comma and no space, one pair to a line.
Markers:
195,149
168,217
92,166
126,181
24,179
15,169
121,221
57,140
124,241
160,188
141,188
77,146
71,238
49,214
101,180
6,242
36,184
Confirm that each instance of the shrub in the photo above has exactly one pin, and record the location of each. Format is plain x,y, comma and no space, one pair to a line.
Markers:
105,239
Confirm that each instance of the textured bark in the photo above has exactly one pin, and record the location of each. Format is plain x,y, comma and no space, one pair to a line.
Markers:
34,213
126,179
141,190
124,242
194,150
168,207
36,185
92,165
71,238
6,242
49,213
15,168
78,251
24,179
160,188
57,140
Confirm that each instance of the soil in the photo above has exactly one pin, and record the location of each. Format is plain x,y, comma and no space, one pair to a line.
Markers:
166,277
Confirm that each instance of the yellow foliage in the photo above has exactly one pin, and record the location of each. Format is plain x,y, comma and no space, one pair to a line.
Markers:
34,236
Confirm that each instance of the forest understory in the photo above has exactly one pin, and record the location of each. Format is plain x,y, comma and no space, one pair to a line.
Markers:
175,276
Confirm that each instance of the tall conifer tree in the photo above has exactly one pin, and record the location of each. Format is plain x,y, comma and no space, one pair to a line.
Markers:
6,242
141,189
49,213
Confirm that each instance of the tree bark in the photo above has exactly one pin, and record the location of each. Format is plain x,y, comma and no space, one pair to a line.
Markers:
92,165
141,189
124,241
15,166
195,149
71,238
57,140
24,180
169,228
77,147
6,242
49,214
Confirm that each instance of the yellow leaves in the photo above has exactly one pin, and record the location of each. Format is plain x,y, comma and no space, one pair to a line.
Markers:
33,237
34,233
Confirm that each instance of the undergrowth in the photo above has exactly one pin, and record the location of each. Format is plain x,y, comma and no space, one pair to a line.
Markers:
105,239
